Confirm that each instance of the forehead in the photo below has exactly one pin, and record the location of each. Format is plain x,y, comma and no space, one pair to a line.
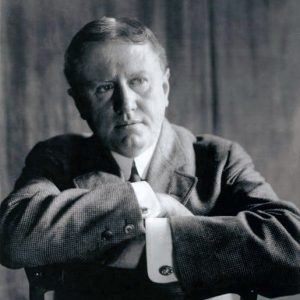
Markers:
111,58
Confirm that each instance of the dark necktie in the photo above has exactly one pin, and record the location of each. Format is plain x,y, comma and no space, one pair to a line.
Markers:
134,175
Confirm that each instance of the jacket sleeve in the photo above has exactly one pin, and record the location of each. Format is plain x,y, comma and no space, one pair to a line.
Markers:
41,224
250,241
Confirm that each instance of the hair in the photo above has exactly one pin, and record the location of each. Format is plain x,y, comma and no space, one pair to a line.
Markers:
108,29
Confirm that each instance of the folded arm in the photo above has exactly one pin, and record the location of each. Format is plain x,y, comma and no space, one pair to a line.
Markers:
41,224
249,241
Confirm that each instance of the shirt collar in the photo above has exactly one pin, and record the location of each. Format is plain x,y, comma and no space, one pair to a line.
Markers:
142,162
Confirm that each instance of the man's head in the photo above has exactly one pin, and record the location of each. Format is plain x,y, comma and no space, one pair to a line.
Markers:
118,75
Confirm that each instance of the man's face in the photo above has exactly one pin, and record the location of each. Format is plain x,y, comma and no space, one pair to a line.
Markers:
124,95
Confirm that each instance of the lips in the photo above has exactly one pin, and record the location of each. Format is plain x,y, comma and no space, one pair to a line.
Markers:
127,124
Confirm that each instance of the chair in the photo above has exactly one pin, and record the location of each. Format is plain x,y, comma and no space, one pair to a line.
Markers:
44,279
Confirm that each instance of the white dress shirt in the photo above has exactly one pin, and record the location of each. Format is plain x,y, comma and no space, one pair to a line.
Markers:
158,232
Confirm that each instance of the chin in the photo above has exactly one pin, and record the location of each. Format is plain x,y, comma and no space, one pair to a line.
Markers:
133,144
128,152
131,150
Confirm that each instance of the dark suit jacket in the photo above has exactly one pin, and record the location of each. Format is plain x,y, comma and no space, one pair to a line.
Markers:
71,206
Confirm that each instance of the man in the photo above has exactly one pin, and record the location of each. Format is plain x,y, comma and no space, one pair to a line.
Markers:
86,204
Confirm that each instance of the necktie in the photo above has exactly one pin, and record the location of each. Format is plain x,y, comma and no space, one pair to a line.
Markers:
134,175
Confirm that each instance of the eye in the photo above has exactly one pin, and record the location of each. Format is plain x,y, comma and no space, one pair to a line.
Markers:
139,83
104,88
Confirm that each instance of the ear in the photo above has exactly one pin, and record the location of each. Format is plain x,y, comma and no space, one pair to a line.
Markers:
166,85
78,102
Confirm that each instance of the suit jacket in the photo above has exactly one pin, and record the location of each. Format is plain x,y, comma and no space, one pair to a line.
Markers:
70,207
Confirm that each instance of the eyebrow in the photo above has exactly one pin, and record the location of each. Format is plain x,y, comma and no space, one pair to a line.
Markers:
96,82
138,73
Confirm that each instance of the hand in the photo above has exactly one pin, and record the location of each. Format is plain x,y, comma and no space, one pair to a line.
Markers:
171,207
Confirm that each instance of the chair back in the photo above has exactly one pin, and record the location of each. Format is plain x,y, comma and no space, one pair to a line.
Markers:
42,280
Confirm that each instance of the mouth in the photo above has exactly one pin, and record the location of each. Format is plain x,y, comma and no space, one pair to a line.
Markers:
127,124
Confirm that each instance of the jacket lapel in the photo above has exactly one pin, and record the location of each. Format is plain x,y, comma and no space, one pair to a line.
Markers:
169,169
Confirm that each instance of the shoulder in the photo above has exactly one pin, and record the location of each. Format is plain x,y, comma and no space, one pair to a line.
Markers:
223,148
221,151
209,149
213,143
63,146
205,143
215,151
205,140
65,140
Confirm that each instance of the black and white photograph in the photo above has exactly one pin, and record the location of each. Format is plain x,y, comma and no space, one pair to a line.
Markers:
150,149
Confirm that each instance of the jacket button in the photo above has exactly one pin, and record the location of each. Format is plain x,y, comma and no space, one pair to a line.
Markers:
129,228
165,270
107,235
38,274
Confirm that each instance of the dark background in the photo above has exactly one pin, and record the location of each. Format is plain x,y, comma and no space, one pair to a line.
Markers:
235,70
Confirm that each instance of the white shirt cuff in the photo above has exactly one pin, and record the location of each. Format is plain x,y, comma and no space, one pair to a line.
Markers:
147,200
159,251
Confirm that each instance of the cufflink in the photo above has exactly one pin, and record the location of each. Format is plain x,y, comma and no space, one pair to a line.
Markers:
165,270
144,210
129,228
38,274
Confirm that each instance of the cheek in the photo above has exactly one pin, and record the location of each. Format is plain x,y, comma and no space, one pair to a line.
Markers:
102,113
156,99
155,112
161,102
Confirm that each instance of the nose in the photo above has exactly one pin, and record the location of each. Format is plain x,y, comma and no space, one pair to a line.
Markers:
125,99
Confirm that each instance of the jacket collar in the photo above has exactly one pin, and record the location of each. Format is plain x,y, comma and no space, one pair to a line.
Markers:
171,169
